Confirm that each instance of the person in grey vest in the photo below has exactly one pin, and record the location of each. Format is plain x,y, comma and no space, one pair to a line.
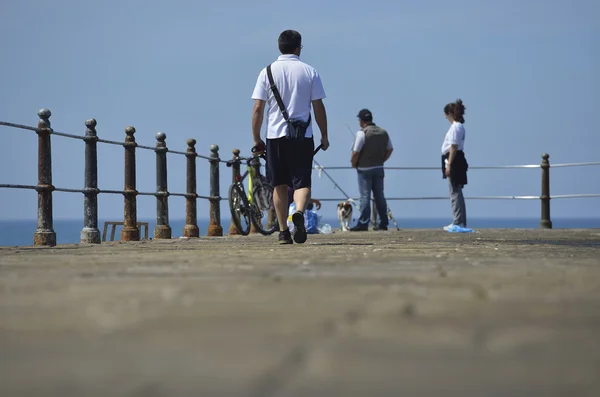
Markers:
372,147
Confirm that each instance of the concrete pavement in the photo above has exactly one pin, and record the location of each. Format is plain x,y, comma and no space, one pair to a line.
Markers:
409,313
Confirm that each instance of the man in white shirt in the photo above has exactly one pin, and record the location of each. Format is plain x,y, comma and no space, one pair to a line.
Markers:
290,150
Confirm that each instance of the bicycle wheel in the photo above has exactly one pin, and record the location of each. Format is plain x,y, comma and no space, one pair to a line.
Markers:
240,211
263,210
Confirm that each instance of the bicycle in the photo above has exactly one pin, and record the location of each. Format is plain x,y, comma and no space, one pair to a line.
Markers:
250,208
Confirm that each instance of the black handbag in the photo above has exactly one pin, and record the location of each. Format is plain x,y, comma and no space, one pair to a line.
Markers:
296,127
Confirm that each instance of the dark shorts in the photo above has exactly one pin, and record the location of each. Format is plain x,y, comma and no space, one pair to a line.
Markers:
289,162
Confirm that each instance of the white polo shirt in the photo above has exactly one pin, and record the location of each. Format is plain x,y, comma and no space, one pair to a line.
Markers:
454,136
298,84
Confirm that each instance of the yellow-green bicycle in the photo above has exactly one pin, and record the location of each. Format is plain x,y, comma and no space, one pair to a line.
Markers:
256,207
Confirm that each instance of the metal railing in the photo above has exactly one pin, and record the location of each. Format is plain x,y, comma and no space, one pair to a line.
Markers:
544,197
45,234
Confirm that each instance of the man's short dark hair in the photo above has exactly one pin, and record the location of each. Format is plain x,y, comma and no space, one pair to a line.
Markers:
289,41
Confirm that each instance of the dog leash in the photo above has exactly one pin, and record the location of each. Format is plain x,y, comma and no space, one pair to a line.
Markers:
389,211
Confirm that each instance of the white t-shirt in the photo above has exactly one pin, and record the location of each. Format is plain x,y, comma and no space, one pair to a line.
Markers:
298,84
454,136
359,142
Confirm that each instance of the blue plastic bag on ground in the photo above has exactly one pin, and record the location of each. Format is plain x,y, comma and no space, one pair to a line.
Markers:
458,229
311,220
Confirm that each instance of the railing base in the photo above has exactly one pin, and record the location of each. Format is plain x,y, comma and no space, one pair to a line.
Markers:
47,238
90,235
130,234
215,230
191,231
233,231
162,232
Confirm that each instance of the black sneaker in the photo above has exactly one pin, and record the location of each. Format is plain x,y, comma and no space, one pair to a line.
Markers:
300,229
285,237
359,228
381,228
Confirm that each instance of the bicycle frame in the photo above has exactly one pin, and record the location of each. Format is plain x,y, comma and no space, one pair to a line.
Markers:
251,172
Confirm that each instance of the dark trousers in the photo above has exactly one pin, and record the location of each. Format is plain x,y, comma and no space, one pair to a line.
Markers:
372,181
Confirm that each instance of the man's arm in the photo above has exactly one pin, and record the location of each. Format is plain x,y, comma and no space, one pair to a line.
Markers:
359,142
257,119
354,159
321,119
388,153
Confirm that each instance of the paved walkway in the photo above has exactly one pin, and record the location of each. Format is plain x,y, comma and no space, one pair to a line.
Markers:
409,313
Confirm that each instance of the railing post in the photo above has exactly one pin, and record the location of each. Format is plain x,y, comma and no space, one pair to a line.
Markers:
44,235
90,233
191,215
545,222
255,164
214,227
130,231
162,229
235,171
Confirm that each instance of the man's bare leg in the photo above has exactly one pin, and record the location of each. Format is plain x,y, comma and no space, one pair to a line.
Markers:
301,197
280,200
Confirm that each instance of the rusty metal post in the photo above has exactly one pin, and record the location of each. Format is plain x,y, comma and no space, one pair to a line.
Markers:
162,229
191,214
44,235
545,222
90,233
235,171
214,227
130,231
255,164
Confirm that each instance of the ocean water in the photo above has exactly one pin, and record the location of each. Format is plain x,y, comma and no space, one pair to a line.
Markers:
20,232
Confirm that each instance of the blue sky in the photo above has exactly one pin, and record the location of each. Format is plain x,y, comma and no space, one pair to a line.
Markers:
526,70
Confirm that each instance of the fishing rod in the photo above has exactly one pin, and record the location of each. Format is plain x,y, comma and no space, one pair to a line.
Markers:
331,179
327,174
350,130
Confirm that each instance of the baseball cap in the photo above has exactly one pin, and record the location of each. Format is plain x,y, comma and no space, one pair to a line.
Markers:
365,115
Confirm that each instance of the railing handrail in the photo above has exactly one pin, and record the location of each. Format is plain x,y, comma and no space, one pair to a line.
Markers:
108,191
319,167
560,196
100,140
475,167
117,143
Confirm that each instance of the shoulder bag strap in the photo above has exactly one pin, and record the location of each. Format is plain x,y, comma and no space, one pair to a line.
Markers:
276,93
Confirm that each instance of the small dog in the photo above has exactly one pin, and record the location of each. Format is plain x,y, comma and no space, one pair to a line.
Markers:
344,210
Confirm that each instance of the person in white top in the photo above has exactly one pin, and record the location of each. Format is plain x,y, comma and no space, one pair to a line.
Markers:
454,162
290,143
